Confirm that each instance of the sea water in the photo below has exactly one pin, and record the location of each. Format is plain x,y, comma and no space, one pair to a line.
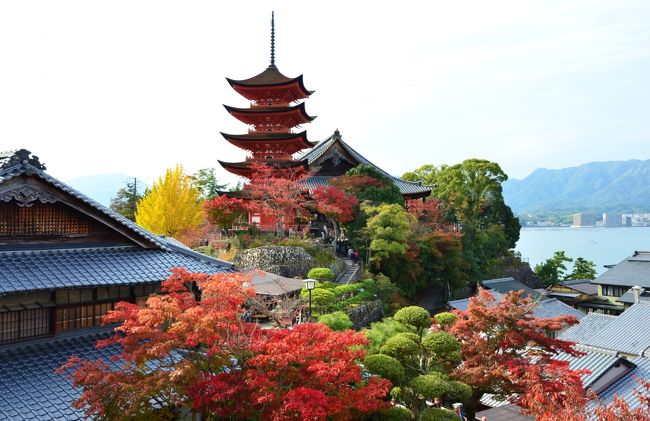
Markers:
603,246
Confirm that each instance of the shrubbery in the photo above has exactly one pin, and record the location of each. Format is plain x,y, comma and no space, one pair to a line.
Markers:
321,274
336,321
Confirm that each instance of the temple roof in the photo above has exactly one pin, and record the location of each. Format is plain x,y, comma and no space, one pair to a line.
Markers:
261,137
243,168
299,108
323,148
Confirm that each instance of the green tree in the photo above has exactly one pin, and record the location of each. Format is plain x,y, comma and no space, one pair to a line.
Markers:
338,320
471,197
551,271
583,269
415,359
388,228
205,181
126,199
171,205
426,174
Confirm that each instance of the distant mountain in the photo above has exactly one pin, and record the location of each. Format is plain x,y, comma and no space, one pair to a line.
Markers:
613,186
102,187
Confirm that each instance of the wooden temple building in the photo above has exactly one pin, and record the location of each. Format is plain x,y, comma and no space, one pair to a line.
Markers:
65,260
274,118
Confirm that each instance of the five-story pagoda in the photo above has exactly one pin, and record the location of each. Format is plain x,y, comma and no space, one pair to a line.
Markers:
275,111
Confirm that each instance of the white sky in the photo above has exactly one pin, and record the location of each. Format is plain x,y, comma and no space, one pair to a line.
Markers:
136,86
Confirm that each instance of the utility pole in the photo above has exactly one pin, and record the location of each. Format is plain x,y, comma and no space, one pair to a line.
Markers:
135,194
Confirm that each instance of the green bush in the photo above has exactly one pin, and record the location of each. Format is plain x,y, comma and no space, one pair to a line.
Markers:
384,366
414,316
379,333
396,413
430,385
445,319
409,335
438,414
460,391
442,344
321,274
322,299
399,347
341,290
336,321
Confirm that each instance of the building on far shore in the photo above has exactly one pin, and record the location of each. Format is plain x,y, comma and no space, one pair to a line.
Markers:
584,220
612,220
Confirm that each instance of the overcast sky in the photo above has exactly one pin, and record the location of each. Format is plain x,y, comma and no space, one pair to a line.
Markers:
135,87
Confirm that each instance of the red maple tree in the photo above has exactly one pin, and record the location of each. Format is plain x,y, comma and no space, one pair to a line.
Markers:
278,192
335,204
507,351
224,211
178,352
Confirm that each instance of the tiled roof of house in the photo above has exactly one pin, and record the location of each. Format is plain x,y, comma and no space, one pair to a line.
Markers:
266,283
626,386
508,412
584,286
596,362
543,309
13,165
633,270
590,325
29,387
33,270
505,285
627,333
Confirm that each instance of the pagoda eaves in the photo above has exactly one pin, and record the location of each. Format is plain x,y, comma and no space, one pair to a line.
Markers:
271,119
270,87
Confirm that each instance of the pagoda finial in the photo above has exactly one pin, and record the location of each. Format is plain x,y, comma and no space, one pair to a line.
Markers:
272,39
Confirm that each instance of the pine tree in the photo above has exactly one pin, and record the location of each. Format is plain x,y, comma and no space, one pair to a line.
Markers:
126,200
171,205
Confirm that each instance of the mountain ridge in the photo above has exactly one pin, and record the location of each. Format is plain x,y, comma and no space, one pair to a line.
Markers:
602,186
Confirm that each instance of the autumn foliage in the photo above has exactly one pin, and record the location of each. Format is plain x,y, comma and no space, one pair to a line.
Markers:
224,211
178,351
334,203
507,351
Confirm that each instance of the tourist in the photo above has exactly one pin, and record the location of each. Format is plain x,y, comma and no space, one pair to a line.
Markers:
350,253
437,403
355,256
458,409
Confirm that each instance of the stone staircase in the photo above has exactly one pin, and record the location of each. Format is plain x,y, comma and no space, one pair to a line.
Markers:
349,275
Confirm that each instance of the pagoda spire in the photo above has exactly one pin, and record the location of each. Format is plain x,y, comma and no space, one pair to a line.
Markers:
272,39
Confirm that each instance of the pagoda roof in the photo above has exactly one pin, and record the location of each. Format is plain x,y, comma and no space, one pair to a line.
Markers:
270,110
410,189
243,139
270,77
243,168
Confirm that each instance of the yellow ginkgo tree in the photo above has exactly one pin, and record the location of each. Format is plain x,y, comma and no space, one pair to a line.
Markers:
171,205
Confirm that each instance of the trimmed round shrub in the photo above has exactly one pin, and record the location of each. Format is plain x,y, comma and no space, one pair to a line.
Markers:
396,413
445,319
438,414
321,274
442,344
460,391
399,347
430,385
321,298
410,336
341,290
384,366
414,316
336,321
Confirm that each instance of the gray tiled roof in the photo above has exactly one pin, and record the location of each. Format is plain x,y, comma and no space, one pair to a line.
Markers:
590,325
633,270
29,387
505,285
543,309
507,412
627,333
625,387
405,187
628,297
266,283
32,270
584,286
596,362
9,170
554,308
